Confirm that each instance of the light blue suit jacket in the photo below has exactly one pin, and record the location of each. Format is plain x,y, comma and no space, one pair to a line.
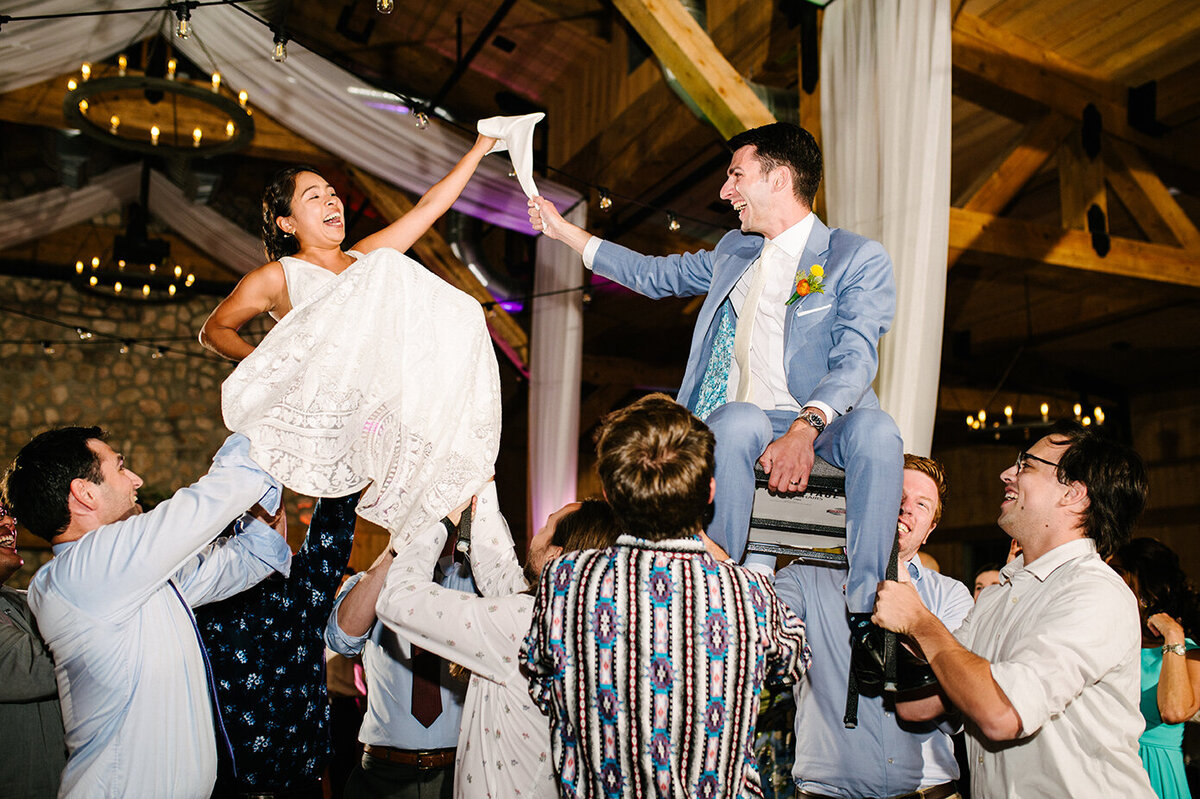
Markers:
831,340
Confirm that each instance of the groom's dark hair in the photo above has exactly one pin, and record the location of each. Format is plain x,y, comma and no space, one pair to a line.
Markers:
786,144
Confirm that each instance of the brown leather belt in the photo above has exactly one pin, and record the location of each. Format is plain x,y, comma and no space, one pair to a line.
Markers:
943,791
430,758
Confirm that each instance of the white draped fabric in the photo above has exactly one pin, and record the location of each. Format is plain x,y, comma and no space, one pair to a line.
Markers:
885,122
554,375
40,214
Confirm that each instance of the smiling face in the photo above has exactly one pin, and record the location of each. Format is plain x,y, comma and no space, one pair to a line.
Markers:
756,195
918,504
1033,494
116,496
317,213
10,561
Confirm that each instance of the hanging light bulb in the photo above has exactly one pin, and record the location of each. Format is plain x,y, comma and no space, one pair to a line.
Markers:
385,6
216,82
93,280
171,65
421,120
85,71
154,131
158,353
230,129
83,333
47,348
605,200
672,222
124,350
122,64
184,14
1045,409
72,85
197,135
114,123
117,287
243,98
79,267
279,54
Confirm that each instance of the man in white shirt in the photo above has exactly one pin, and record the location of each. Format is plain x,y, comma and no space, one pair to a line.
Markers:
1046,666
115,604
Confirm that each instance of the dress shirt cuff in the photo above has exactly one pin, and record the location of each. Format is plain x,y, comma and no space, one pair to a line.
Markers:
1026,692
823,408
265,543
235,454
335,637
589,250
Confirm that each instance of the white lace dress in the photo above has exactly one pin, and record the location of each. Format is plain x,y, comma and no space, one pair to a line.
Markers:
382,375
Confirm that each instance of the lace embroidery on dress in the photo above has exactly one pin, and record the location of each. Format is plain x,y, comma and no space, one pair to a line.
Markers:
384,376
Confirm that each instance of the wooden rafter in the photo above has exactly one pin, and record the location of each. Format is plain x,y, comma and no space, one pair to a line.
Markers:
437,256
1150,202
1080,183
1027,156
704,73
986,233
1023,71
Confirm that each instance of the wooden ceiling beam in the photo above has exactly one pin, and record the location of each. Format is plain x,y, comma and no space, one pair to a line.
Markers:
1150,202
437,256
1028,155
1023,71
704,73
1080,183
1025,241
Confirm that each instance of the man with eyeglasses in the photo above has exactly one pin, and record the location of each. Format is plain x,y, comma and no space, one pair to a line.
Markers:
1046,666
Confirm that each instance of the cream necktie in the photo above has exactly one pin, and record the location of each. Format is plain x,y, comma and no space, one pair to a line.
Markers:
745,322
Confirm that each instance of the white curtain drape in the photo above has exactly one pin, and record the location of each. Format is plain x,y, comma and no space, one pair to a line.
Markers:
885,121
554,374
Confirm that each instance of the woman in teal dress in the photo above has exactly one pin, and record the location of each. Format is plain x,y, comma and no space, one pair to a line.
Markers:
1170,660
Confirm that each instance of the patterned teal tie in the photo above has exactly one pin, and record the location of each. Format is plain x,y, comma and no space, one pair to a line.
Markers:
716,375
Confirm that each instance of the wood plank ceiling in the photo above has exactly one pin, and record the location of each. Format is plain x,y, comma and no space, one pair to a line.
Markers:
1032,308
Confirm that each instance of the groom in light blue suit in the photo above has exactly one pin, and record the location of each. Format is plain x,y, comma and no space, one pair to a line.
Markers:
792,377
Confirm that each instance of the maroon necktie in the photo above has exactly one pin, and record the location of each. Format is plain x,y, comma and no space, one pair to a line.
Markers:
426,687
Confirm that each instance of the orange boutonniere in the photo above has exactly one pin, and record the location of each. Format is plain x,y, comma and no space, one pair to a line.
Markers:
808,283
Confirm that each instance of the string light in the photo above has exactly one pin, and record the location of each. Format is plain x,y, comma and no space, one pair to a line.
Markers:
421,120
47,348
171,66
184,14
672,222
605,200
158,353
279,54
124,350
83,333
385,6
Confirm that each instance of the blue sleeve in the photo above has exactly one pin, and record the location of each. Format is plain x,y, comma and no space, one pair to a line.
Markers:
335,638
655,276
789,587
229,566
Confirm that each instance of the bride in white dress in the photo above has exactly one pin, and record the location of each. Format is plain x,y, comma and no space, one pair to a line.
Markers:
377,374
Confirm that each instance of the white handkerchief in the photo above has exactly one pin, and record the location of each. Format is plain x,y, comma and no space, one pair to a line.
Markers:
515,135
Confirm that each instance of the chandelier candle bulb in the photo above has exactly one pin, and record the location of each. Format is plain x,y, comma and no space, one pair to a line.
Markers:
79,267
190,280
85,70
1045,409
114,123
83,106
178,270
122,64
145,289
243,98
171,289
197,135
1008,414
171,65
1078,409
230,129
72,85
95,262
154,131
153,267
93,280
216,81
117,287
121,264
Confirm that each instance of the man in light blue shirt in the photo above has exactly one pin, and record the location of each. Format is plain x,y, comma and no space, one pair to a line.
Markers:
408,752
881,757
115,604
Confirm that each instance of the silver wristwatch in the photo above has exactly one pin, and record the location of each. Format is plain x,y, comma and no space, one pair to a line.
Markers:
814,420
1175,649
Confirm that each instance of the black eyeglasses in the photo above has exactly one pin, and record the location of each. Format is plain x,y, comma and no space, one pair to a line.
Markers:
1024,457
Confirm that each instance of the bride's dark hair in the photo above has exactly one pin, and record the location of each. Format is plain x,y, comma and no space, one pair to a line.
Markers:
277,202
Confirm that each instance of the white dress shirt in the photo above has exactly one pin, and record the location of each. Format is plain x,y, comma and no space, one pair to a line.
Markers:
1063,638
135,696
504,745
768,385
